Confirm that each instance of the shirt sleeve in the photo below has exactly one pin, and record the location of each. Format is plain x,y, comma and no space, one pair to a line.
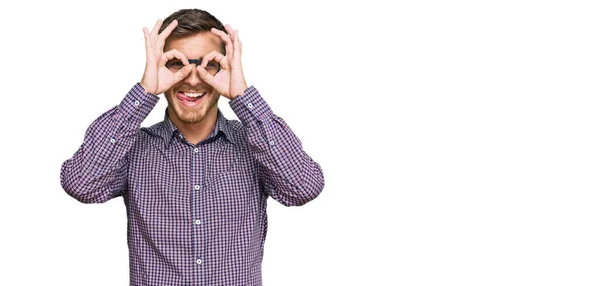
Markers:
97,172
286,172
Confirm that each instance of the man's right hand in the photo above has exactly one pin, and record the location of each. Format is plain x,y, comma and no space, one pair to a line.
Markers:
157,78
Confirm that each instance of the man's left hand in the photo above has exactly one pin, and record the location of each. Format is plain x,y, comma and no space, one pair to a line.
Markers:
229,81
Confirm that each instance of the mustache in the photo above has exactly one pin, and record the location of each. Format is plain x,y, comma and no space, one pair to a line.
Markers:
190,88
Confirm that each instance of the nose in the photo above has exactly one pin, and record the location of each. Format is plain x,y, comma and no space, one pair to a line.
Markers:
197,62
193,78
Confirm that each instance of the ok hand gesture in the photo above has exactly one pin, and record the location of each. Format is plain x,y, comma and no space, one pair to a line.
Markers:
229,81
157,78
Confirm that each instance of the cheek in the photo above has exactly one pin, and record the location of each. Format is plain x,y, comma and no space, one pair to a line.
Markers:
168,95
215,96
170,99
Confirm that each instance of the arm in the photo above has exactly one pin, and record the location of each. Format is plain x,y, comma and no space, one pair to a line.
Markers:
97,172
286,172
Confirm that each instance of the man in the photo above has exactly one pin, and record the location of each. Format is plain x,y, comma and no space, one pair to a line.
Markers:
195,185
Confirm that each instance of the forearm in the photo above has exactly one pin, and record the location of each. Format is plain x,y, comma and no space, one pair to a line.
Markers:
288,174
97,171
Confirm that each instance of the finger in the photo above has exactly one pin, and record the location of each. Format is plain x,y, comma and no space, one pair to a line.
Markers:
160,41
229,31
205,75
225,38
237,44
174,53
214,56
171,54
183,73
154,32
149,49
232,33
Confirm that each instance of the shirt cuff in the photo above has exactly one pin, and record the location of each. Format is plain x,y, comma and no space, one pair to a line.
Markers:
250,107
137,104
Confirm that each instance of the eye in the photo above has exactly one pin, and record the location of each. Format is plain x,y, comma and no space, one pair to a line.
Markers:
212,65
174,64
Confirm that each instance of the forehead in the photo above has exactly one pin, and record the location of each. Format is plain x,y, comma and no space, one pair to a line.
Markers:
195,45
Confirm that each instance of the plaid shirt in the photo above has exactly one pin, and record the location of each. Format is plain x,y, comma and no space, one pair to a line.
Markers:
196,213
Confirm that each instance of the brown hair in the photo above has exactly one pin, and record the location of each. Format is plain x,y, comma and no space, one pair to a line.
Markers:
191,22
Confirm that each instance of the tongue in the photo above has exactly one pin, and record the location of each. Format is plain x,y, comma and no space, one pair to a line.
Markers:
182,96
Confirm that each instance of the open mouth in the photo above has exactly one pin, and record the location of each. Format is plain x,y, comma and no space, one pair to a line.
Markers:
190,98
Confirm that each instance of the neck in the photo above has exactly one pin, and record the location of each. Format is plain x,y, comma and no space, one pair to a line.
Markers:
195,132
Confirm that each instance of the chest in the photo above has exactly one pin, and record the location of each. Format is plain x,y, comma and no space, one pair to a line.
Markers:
218,179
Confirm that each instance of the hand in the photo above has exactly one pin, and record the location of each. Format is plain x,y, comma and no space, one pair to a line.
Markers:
157,78
229,81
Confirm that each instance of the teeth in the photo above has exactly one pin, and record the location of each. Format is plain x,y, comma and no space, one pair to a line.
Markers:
194,94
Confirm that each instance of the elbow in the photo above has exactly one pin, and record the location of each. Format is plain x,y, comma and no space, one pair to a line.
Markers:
302,194
79,193
75,187
295,186
82,196
305,195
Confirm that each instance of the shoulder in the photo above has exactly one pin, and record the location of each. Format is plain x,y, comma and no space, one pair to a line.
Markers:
152,131
236,132
151,135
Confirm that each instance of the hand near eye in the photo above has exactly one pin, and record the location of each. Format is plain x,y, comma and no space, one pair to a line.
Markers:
229,81
157,78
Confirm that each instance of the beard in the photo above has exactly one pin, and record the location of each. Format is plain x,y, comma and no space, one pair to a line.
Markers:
191,114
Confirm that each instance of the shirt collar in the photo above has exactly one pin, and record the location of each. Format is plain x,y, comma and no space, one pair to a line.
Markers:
222,126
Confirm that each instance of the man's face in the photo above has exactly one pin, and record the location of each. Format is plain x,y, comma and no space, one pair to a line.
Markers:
184,103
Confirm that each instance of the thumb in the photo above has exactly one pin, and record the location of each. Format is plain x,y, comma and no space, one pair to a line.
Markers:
184,72
205,76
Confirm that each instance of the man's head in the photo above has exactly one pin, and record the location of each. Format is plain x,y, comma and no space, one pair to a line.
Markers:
193,38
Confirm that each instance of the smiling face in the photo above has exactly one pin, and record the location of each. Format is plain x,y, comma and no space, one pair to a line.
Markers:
191,99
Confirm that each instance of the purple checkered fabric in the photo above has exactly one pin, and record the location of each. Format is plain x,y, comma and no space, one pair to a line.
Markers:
196,213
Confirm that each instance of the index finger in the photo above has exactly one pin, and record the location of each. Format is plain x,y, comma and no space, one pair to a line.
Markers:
226,38
154,31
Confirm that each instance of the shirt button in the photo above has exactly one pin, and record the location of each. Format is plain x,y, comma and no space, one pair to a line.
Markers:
199,261
198,221
112,140
196,150
197,187
250,105
271,142
137,102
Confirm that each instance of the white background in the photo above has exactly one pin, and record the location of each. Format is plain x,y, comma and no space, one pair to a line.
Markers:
459,139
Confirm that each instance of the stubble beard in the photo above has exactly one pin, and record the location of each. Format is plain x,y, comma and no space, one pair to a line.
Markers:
191,115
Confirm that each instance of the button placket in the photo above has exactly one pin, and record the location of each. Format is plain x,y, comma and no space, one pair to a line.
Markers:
198,236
